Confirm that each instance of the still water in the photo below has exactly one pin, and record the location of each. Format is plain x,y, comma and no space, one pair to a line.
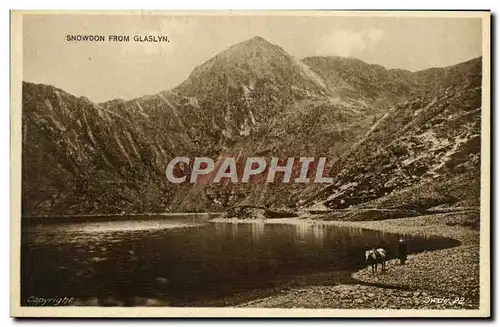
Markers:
184,260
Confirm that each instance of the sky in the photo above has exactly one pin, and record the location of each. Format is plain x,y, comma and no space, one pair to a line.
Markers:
104,71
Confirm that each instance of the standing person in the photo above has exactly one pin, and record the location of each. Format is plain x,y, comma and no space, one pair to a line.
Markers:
402,251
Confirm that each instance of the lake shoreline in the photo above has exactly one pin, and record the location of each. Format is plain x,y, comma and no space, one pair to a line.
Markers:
441,279
113,215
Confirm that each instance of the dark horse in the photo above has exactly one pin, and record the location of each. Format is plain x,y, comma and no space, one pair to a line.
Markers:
374,257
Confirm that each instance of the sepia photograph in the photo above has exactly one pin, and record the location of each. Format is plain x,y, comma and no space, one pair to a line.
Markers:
250,164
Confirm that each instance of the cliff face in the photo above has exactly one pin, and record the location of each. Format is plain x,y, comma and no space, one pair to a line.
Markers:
253,99
82,157
424,152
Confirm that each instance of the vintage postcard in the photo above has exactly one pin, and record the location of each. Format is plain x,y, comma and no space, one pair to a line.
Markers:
250,164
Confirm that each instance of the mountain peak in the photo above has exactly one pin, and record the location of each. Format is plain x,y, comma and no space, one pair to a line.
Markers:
254,44
256,54
257,39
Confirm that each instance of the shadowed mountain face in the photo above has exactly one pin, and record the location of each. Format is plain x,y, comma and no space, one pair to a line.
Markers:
254,99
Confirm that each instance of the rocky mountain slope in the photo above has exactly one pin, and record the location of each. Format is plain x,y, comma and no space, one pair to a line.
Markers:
355,78
423,153
252,99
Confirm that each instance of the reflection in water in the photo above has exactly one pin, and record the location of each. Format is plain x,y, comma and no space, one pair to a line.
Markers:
234,230
220,229
186,260
302,229
258,230
314,232
319,234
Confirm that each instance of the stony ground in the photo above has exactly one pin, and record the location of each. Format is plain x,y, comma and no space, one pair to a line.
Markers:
443,279
355,296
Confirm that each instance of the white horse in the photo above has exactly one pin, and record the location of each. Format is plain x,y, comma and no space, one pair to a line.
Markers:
375,256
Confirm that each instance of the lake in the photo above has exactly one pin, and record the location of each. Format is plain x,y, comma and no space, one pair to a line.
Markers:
184,260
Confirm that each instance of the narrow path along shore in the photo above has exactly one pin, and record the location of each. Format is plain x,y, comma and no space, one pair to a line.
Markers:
441,279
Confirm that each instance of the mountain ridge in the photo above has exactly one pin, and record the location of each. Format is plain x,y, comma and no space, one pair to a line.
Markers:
83,157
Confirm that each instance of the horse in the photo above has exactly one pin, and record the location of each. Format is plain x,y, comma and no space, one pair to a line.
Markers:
374,257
